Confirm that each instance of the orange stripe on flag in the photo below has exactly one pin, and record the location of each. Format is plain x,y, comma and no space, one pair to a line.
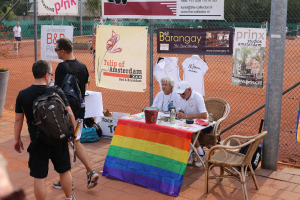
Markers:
153,136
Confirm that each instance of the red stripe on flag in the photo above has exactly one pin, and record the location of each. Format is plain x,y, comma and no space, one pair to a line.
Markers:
116,75
139,8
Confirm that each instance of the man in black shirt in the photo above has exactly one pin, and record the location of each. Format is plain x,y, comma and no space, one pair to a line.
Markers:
64,51
40,153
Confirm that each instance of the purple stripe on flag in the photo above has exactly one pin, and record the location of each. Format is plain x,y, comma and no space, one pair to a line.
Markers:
144,181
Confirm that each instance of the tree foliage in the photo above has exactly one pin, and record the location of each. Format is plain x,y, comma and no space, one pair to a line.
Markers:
94,7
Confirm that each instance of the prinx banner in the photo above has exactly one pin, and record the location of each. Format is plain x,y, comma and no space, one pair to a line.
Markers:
248,57
57,7
121,57
216,41
49,35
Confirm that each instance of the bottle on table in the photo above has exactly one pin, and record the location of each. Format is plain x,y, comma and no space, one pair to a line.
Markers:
172,115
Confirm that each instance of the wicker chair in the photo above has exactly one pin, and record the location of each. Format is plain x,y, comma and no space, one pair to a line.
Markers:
220,109
229,161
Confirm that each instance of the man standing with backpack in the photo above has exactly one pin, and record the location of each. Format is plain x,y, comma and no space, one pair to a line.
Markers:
39,152
74,71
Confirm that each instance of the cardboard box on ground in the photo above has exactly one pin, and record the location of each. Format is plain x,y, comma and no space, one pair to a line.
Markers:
109,124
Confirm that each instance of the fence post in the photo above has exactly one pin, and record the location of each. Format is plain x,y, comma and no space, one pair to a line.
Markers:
274,84
151,62
81,17
35,31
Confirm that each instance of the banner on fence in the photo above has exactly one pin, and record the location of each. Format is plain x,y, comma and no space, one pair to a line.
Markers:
160,9
121,57
49,35
57,7
216,41
248,57
298,125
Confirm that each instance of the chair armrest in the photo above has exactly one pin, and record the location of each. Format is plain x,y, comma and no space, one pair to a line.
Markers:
222,147
240,137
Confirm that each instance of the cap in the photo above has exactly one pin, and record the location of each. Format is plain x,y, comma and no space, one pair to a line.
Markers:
182,86
202,122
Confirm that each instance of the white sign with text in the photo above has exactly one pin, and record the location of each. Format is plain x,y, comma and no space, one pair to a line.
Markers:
57,7
49,35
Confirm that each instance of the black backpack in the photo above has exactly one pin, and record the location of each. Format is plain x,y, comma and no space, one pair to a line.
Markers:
71,87
53,120
89,122
256,156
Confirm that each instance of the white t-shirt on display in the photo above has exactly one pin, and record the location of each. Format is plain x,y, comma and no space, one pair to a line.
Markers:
194,71
167,67
194,105
17,31
162,101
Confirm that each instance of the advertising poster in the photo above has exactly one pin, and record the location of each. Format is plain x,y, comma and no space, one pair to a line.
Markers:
49,35
217,41
298,126
57,7
164,9
248,57
121,57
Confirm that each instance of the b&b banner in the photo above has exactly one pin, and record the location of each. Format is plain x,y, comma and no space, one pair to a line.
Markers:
121,57
199,41
49,35
248,57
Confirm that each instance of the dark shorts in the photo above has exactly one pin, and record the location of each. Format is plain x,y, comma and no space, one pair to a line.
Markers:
18,38
39,155
208,129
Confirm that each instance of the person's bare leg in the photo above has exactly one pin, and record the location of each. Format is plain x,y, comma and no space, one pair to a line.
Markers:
66,183
40,190
82,155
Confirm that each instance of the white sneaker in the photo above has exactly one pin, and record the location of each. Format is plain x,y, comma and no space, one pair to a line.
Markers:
198,163
191,159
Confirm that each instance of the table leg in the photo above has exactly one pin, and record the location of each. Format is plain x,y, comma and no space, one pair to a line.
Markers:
195,150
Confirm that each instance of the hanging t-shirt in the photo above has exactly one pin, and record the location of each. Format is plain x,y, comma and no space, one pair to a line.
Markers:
162,101
167,67
194,71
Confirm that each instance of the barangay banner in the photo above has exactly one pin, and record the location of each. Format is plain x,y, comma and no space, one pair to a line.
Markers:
49,35
120,60
164,9
57,7
248,57
217,41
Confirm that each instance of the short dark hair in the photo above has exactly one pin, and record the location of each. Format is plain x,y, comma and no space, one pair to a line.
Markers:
65,44
40,68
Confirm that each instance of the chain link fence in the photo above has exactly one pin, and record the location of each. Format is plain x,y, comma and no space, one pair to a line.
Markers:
242,100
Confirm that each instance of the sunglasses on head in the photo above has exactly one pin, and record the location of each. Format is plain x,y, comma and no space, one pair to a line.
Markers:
57,49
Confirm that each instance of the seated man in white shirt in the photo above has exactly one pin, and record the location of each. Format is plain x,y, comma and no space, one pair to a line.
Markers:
192,107
164,98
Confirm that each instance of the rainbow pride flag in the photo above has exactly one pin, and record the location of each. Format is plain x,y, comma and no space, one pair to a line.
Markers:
298,127
148,155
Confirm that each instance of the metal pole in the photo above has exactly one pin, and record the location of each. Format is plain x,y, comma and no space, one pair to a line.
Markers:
274,84
35,32
81,17
151,62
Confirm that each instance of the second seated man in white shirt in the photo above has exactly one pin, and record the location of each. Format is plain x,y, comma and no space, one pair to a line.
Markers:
192,107
164,98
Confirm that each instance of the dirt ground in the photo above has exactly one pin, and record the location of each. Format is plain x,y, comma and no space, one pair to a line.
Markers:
242,100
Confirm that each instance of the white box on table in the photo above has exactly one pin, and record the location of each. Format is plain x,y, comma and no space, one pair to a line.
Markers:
109,124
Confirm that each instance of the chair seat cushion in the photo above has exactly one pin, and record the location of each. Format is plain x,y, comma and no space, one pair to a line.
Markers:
234,159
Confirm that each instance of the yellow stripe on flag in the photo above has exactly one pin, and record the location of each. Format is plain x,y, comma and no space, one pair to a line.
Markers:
151,147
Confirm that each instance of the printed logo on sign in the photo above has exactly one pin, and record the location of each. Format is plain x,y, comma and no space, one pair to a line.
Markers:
164,47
